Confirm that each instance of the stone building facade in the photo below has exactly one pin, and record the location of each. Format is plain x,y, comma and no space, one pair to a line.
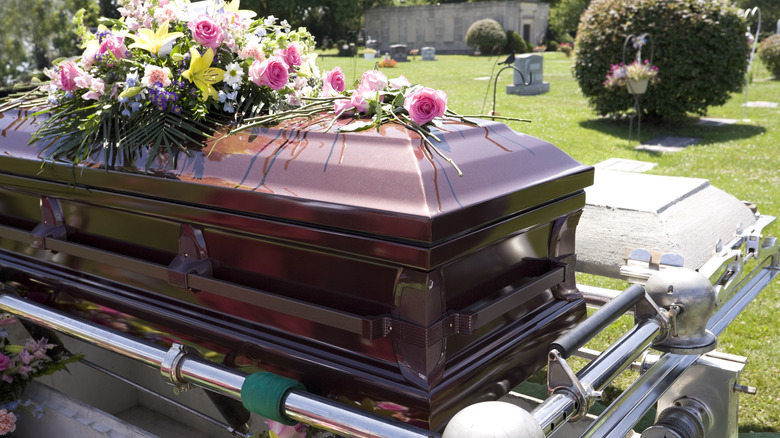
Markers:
444,26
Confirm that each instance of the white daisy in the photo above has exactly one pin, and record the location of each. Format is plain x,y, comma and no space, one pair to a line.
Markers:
233,74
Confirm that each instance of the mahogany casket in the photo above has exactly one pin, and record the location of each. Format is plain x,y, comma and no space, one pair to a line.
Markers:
358,263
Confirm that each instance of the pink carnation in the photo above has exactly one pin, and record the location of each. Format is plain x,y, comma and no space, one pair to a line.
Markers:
166,12
359,101
273,72
7,422
154,74
206,31
69,71
425,104
252,51
113,44
333,82
342,105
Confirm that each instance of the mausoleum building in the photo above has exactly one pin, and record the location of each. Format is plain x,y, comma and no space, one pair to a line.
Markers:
444,26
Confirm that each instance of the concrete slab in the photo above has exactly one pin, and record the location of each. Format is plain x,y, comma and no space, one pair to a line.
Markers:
712,121
626,211
667,143
760,104
623,165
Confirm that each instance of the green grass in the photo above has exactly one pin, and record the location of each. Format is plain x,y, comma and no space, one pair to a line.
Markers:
741,159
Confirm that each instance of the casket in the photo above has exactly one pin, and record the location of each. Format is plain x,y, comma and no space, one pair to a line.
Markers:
359,263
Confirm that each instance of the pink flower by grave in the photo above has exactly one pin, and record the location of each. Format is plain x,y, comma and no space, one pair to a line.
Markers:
425,104
114,45
291,55
206,31
372,80
273,72
69,71
399,82
333,82
297,431
5,362
154,74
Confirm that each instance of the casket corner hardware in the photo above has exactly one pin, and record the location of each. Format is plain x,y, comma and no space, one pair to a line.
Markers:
52,224
193,257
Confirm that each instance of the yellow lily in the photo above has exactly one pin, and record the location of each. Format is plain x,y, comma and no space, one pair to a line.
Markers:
202,74
233,7
151,41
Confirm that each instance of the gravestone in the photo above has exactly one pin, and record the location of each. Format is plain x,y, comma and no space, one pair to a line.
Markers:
398,52
531,66
428,54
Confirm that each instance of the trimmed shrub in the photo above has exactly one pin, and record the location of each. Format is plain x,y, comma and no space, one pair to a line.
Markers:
700,49
769,52
552,46
515,43
487,35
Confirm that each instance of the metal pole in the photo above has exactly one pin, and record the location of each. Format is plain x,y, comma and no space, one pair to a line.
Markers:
620,417
556,410
311,409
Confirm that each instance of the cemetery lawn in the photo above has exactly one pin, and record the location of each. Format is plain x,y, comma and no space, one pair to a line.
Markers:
742,159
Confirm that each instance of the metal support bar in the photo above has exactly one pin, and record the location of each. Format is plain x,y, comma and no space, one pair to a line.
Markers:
308,408
620,417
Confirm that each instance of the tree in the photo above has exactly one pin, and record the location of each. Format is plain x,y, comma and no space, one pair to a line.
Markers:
565,15
34,32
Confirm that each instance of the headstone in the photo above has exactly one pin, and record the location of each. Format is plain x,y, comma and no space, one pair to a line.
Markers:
398,52
531,67
428,54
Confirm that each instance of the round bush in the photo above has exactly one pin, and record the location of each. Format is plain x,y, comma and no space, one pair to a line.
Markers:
552,46
515,43
769,52
487,35
700,49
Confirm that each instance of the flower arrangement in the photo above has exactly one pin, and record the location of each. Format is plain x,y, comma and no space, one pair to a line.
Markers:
19,365
387,63
169,74
369,51
619,74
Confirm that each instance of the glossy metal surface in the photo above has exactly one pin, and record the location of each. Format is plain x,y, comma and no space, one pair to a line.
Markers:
301,406
380,183
557,409
618,419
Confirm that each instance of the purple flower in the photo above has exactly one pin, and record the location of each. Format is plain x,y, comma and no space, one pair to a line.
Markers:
5,362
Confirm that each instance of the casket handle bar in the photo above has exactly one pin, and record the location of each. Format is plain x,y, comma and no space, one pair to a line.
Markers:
192,269
269,395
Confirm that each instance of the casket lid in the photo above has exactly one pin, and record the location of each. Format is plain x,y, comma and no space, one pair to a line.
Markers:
384,183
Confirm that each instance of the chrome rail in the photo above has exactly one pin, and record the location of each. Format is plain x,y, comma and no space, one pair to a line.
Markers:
192,369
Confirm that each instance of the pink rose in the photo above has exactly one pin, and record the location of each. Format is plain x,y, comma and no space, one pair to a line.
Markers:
273,72
69,72
425,104
206,31
113,44
372,80
359,101
291,55
5,362
7,422
399,82
342,105
333,82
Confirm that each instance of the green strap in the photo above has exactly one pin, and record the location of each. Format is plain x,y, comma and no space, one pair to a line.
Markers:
264,394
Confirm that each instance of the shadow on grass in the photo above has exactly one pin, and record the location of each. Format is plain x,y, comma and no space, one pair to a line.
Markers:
686,128
754,428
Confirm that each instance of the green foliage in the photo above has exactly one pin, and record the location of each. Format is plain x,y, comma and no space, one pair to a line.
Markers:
565,16
34,32
770,12
700,49
335,19
552,46
487,35
769,52
516,43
